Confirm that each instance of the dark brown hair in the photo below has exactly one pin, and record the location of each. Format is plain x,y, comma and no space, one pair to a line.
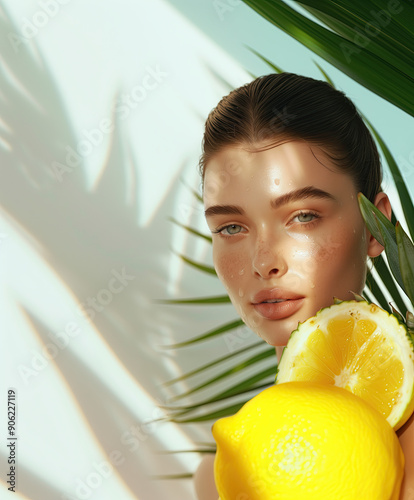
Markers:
279,107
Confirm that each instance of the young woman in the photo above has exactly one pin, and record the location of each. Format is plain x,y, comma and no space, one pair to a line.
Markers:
284,158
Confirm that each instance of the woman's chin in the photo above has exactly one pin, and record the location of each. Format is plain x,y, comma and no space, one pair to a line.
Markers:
275,333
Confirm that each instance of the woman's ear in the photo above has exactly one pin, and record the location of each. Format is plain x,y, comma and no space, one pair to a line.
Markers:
383,204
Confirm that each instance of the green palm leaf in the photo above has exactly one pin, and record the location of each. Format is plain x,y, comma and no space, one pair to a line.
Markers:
246,388
217,331
378,31
268,352
384,232
192,230
389,283
406,257
213,363
221,299
367,64
198,265
404,195
213,415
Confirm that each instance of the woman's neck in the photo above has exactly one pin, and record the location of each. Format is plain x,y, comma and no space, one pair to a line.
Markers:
279,350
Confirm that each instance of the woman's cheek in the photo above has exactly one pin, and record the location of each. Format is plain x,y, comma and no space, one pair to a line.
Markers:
230,269
319,256
341,261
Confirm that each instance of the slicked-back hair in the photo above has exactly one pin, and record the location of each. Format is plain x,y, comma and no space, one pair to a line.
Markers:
280,107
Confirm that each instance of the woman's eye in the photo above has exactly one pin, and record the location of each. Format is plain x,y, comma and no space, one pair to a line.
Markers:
306,217
230,230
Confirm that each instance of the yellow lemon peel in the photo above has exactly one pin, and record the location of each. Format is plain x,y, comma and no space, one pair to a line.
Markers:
308,440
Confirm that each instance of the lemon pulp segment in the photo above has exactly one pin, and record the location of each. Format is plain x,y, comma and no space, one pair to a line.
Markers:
360,347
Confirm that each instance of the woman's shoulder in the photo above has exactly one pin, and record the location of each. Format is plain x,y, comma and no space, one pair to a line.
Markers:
204,479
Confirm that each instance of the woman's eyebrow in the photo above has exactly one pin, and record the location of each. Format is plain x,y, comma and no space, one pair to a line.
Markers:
296,195
223,210
301,194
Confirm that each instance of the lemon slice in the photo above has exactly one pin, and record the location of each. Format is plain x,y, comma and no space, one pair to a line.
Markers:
360,347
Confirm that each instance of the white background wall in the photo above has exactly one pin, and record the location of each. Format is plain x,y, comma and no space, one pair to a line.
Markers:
101,114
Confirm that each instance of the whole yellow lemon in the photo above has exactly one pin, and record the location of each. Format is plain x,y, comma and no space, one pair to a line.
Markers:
305,440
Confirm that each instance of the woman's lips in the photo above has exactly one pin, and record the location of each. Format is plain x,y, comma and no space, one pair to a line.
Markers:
278,310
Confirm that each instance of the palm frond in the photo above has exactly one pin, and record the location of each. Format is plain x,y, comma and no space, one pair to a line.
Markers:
213,363
380,60
406,258
198,265
221,299
192,230
217,331
404,195
268,352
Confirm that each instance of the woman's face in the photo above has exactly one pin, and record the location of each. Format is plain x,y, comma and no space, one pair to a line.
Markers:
288,236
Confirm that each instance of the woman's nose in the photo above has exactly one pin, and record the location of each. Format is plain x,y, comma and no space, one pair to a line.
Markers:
268,260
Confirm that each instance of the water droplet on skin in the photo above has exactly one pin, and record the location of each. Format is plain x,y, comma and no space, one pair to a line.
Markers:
277,182
354,230
241,293
241,272
312,285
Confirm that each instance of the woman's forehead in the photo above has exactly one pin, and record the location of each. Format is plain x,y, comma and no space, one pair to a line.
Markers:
288,166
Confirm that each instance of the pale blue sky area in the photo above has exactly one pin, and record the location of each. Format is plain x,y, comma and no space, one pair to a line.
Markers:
234,27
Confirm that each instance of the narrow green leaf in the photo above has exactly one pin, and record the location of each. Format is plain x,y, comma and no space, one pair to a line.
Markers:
172,476
391,251
213,363
410,321
196,450
403,193
220,78
247,385
223,412
375,289
184,410
197,196
359,298
228,410
325,74
201,267
406,255
389,282
191,230
384,232
222,299
269,352
393,219
397,314
368,211
273,66
252,76
217,331
195,193
214,415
